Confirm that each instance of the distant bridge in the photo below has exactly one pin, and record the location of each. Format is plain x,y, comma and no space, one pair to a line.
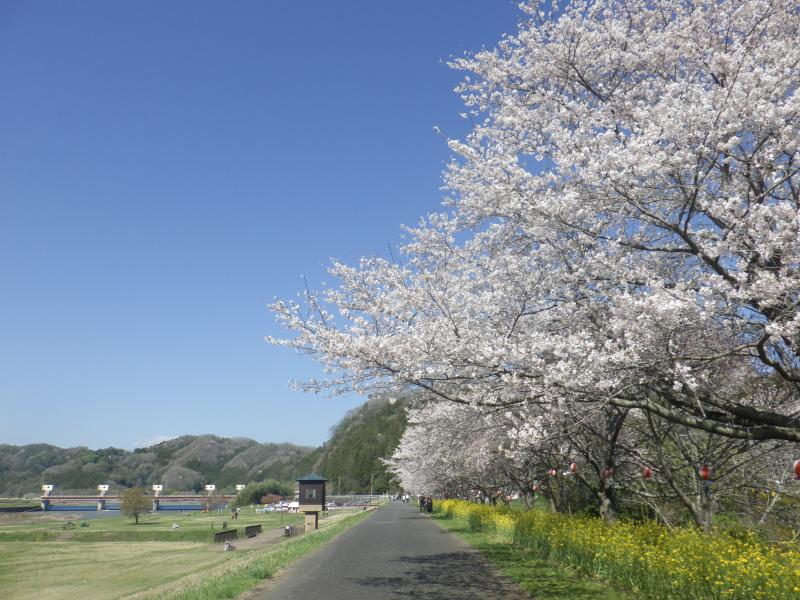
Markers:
48,500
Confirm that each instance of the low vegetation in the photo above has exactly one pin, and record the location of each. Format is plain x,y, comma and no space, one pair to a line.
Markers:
648,559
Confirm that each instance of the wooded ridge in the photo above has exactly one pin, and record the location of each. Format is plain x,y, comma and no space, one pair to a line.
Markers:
350,459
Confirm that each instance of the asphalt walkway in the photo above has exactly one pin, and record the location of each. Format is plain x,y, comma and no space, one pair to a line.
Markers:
394,553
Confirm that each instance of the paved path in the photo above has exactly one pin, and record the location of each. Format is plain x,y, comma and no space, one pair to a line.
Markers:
395,553
273,535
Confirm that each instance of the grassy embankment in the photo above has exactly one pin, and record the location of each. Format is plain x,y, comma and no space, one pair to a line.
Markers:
149,559
647,559
230,580
15,502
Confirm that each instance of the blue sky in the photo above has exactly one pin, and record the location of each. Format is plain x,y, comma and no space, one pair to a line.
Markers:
167,168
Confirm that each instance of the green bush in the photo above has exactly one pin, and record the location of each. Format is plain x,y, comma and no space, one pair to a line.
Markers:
254,491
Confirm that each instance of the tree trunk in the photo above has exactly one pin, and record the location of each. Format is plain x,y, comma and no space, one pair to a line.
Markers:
705,507
608,509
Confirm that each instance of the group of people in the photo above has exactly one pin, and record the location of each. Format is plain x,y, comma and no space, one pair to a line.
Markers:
425,504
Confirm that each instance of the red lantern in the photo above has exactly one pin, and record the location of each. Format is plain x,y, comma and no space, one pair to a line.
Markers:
607,473
797,469
573,467
552,472
647,472
705,472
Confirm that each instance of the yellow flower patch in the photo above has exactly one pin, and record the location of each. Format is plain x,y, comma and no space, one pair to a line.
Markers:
663,563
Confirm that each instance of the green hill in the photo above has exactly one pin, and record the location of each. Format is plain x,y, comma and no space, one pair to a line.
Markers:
349,459
184,463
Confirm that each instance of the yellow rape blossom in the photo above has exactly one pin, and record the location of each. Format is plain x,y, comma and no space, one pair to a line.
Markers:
658,562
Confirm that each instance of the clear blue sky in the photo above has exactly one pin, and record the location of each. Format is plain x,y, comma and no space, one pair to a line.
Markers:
167,168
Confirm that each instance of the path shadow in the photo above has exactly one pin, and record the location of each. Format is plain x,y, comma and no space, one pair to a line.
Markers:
461,575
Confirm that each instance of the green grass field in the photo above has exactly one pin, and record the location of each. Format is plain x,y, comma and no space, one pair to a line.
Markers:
98,569
114,558
157,527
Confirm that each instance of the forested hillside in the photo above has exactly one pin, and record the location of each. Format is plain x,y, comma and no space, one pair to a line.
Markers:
184,463
351,456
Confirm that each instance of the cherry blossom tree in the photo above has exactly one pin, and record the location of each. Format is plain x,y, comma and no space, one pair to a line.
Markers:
451,450
737,470
658,143
622,231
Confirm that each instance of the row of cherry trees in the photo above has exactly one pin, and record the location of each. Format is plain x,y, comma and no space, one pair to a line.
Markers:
616,275
612,461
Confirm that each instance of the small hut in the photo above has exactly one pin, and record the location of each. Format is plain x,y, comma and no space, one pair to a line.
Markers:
311,498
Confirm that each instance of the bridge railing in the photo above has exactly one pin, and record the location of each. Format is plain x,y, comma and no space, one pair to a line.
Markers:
115,497
356,499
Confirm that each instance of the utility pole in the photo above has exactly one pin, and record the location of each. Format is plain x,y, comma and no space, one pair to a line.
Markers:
371,475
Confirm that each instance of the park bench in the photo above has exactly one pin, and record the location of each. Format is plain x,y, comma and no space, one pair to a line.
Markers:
252,530
223,536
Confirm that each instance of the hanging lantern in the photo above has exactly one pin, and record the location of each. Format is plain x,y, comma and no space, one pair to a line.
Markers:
552,472
797,469
705,472
573,467
607,473
535,488
647,472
